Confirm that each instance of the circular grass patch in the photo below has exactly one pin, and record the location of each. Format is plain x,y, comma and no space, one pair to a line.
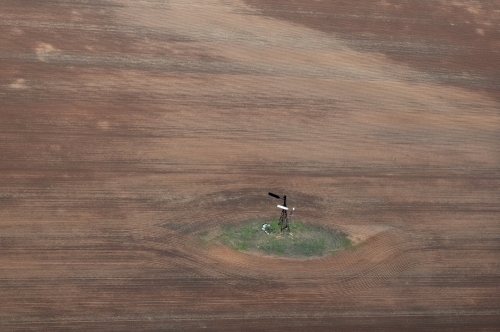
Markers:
304,239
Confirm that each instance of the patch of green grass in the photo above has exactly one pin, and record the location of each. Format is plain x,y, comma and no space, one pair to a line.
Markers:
246,231
275,227
346,243
273,246
304,239
311,247
297,226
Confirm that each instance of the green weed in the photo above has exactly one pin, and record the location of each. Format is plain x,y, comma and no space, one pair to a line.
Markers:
304,239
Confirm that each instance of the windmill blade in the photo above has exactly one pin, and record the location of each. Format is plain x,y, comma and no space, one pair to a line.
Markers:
274,195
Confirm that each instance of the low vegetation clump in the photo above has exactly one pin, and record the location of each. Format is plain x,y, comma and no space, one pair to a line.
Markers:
304,239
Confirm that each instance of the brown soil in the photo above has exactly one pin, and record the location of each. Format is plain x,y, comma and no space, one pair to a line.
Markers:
455,42
128,126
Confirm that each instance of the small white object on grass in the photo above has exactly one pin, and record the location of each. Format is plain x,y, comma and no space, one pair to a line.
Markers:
264,228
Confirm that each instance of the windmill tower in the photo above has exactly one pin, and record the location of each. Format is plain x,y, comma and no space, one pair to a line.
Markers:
285,218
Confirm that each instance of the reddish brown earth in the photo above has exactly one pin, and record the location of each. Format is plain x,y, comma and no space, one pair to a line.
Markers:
129,127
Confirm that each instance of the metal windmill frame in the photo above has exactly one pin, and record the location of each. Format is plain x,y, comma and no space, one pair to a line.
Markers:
285,218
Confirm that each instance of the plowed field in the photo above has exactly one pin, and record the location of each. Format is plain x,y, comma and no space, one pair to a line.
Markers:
128,128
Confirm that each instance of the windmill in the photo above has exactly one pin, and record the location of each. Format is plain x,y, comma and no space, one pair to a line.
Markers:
285,218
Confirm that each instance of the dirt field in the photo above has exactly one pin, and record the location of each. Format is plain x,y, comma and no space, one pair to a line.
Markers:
129,127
